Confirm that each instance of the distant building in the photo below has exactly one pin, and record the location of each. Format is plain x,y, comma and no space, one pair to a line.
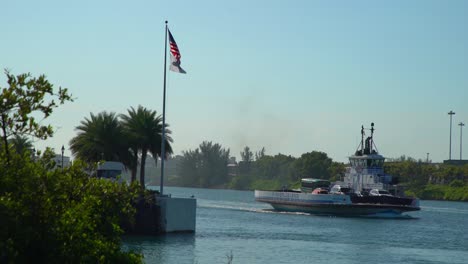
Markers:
58,161
233,167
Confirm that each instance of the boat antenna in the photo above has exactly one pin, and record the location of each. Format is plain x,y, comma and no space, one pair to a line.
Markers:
371,137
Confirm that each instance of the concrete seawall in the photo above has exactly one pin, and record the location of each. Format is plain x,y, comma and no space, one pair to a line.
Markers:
162,215
177,214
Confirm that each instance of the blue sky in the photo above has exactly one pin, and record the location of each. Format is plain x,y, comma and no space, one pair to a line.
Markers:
290,76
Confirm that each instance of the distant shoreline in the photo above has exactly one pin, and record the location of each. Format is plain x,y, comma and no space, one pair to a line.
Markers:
251,190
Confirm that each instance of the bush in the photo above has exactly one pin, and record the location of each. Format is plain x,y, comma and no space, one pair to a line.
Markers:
54,216
266,185
240,182
444,192
457,183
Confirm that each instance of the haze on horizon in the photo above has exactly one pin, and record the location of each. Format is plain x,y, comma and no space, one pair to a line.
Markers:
292,77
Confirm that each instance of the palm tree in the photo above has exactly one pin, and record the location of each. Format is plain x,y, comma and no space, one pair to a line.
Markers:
20,143
100,137
143,127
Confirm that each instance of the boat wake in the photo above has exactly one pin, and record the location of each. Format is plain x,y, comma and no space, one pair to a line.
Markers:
247,207
391,216
273,211
444,210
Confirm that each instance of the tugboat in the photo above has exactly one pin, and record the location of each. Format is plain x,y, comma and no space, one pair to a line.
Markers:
365,190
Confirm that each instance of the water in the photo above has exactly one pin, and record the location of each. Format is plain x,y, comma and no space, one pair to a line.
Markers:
232,223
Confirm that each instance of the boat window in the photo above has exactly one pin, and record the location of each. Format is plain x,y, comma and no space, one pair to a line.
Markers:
375,163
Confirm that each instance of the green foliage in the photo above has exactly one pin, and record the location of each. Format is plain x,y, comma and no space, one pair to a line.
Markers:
427,181
50,216
246,155
267,184
277,167
424,180
205,166
312,165
25,98
99,137
247,158
413,174
280,170
143,131
124,138
241,182
337,171
457,183
443,192
430,181
20,143
260,154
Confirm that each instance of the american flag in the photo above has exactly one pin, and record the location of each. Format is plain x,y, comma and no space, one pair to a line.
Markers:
175,55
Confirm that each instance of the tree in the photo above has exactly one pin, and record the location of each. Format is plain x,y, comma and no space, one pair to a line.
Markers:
53,216
314,164
143,127
205,166
246,160
214,160
46,214
24,98
336,171
260,154
20,143
99,138
189,168
246,155
276,167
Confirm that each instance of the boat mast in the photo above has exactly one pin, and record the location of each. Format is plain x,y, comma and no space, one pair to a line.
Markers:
362,139
371,137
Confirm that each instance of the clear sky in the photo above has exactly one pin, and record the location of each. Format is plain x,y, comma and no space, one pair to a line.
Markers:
290,76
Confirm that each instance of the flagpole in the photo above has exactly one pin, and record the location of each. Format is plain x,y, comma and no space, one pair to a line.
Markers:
163,141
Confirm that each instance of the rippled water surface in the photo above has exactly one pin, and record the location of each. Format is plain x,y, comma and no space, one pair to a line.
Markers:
232,223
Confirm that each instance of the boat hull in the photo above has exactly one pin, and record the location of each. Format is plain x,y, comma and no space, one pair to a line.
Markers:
329,204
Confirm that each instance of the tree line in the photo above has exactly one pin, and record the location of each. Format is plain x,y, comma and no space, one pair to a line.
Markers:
430,180
208,167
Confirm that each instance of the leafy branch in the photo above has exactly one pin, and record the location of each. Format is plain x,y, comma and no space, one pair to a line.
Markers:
25,96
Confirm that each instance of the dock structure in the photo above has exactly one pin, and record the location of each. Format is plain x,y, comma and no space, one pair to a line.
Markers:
177,214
